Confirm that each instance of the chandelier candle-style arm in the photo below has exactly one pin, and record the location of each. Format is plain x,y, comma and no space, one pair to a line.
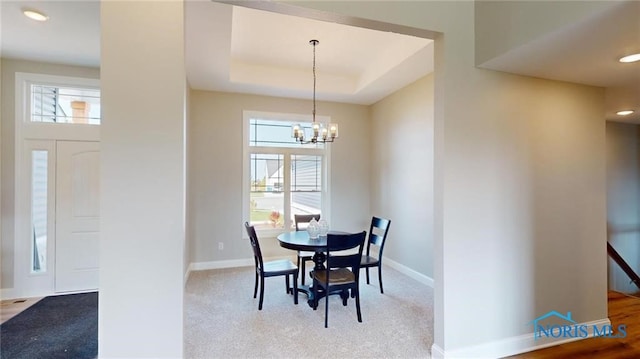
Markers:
316,129
319,132
298,133
333,130
296,130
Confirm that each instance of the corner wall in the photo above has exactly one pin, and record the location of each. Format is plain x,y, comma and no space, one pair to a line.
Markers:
402,151
623,201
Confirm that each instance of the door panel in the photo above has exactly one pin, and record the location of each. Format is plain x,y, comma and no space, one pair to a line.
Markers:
77,215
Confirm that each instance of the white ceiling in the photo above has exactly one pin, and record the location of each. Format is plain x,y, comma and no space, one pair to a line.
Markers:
238,49
244,50
587,52
70,36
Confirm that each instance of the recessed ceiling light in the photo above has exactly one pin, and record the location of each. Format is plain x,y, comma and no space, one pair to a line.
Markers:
631,58
624,113
35,15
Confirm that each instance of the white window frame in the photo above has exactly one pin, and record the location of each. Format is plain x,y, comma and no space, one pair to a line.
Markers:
26,282
26,129
39,136
287,152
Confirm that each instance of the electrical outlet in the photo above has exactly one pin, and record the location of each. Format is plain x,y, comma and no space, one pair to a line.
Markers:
220,246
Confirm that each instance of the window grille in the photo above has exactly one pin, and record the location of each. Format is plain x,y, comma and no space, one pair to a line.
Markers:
285,178
55,104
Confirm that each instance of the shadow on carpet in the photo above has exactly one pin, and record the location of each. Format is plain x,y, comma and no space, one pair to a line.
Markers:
62,326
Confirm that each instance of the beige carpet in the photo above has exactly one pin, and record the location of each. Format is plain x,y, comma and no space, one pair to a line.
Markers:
222,319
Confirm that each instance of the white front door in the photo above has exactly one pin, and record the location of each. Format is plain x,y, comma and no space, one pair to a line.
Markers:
77,215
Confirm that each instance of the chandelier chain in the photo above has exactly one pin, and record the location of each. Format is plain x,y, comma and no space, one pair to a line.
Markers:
314,79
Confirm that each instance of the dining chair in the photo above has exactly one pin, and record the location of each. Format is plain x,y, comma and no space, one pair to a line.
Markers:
300,220
342,272
377,237
274,268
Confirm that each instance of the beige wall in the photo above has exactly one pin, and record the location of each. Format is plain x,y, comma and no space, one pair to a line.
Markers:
520,192
9,68
215,163
188,176
623,200
142,189
2,258
402,173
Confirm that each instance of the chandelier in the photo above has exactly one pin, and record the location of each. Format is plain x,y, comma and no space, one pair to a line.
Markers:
319,131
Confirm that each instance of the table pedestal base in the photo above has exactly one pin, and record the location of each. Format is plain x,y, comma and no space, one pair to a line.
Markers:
319,259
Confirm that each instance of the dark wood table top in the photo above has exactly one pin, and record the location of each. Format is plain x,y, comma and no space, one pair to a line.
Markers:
300,241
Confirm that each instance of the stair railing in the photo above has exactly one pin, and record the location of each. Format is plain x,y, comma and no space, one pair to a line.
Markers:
623,264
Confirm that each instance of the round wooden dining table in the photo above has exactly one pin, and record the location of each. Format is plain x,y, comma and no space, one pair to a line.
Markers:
300,241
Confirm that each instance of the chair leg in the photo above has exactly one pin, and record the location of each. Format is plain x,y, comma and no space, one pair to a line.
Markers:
380,277
326,309
303,270
255,288
286,284
261,292
367,269
295,288
358,305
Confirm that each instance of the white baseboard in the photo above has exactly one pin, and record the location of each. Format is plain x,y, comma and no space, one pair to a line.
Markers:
220,264
232,263
409,272
511,346
187,273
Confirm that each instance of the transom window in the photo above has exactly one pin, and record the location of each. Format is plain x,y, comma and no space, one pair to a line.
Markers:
283,177
264,132
57,104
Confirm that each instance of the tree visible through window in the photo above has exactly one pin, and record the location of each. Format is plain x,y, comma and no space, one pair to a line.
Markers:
285,178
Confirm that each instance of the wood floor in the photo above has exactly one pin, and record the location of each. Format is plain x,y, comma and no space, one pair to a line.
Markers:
11,307
623,309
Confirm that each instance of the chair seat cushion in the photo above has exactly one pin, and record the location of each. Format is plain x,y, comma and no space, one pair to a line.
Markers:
279,266
368,261
337,276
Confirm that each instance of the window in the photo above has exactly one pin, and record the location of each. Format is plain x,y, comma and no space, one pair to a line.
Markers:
39,209
56,104
282,177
